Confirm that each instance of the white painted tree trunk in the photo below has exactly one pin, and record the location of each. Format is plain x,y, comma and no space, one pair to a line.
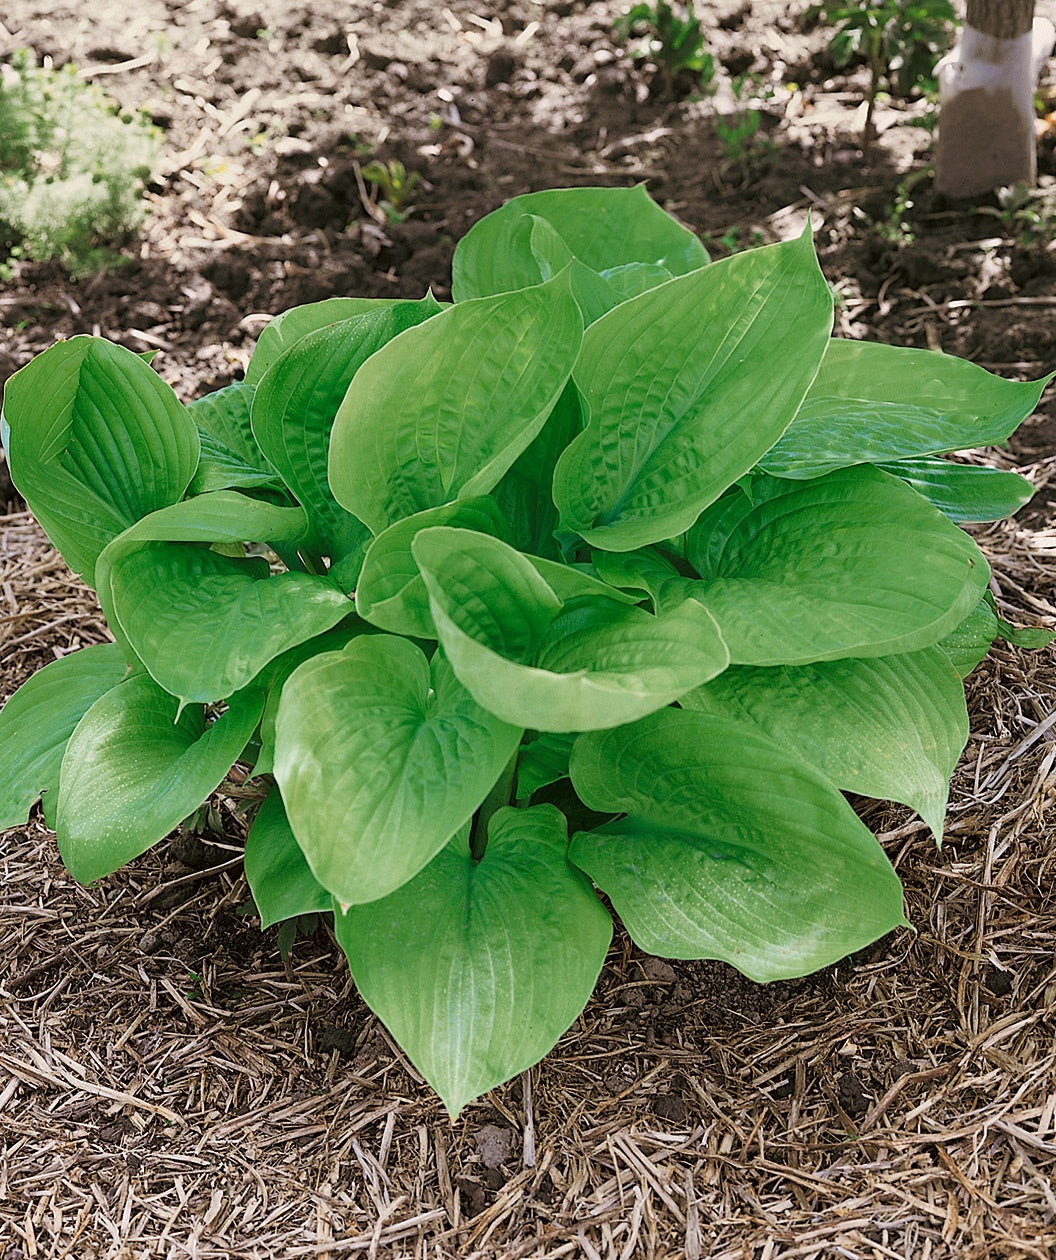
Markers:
986,118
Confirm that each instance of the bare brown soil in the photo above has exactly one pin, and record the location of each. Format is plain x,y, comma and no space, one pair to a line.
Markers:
168,1087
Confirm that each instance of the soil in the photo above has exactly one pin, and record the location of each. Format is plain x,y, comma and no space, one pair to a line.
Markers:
690,1112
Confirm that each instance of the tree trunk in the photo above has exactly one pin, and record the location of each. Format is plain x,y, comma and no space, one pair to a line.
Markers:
986,120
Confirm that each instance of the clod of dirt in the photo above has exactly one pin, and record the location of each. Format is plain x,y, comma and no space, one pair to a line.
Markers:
191,850
331,1037
658,970
494,1145
670,1107
999,982
474,1197
150,943
501,66
852,1095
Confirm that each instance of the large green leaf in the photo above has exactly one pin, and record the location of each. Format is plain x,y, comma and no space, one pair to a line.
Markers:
206,624
963,492
136,766
445,408
290,326
391,593
220,468
297,399
37,721
850,564
381,759
279,878
593,664
891,727
477,968
96,441
273,678
682,394
602,228
870,403
221,517
225,415
729,846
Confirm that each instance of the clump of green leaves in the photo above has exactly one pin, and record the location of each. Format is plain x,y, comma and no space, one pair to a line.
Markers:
672,38
615,574
899,40
72,166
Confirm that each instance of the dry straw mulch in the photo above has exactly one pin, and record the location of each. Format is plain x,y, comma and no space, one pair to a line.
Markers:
168,1088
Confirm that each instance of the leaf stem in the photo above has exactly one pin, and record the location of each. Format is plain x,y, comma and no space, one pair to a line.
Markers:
500,795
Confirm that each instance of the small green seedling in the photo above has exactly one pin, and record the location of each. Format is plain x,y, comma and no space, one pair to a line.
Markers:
396,184
899,40
1025,213
614,574
670,36
740,131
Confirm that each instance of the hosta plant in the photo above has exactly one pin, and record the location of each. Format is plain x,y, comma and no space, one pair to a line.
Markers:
614,574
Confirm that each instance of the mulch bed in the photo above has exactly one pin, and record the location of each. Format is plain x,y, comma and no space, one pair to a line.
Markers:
168,1086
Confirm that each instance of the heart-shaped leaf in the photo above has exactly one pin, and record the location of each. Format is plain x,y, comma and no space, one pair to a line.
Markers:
273,678
525,493
444,409
287,328
205,624
38,720
891,727
279,878
296,402
603,228
872,402
136,766
96,441
381,758
729,847
680,393
223,517
219,468
596,664
477,968
390,592
850,564
225,416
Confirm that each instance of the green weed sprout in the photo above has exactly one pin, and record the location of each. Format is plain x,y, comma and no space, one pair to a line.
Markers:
899,40
396,184
672,37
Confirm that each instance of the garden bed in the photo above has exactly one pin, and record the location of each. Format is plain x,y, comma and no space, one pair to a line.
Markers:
168,1086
